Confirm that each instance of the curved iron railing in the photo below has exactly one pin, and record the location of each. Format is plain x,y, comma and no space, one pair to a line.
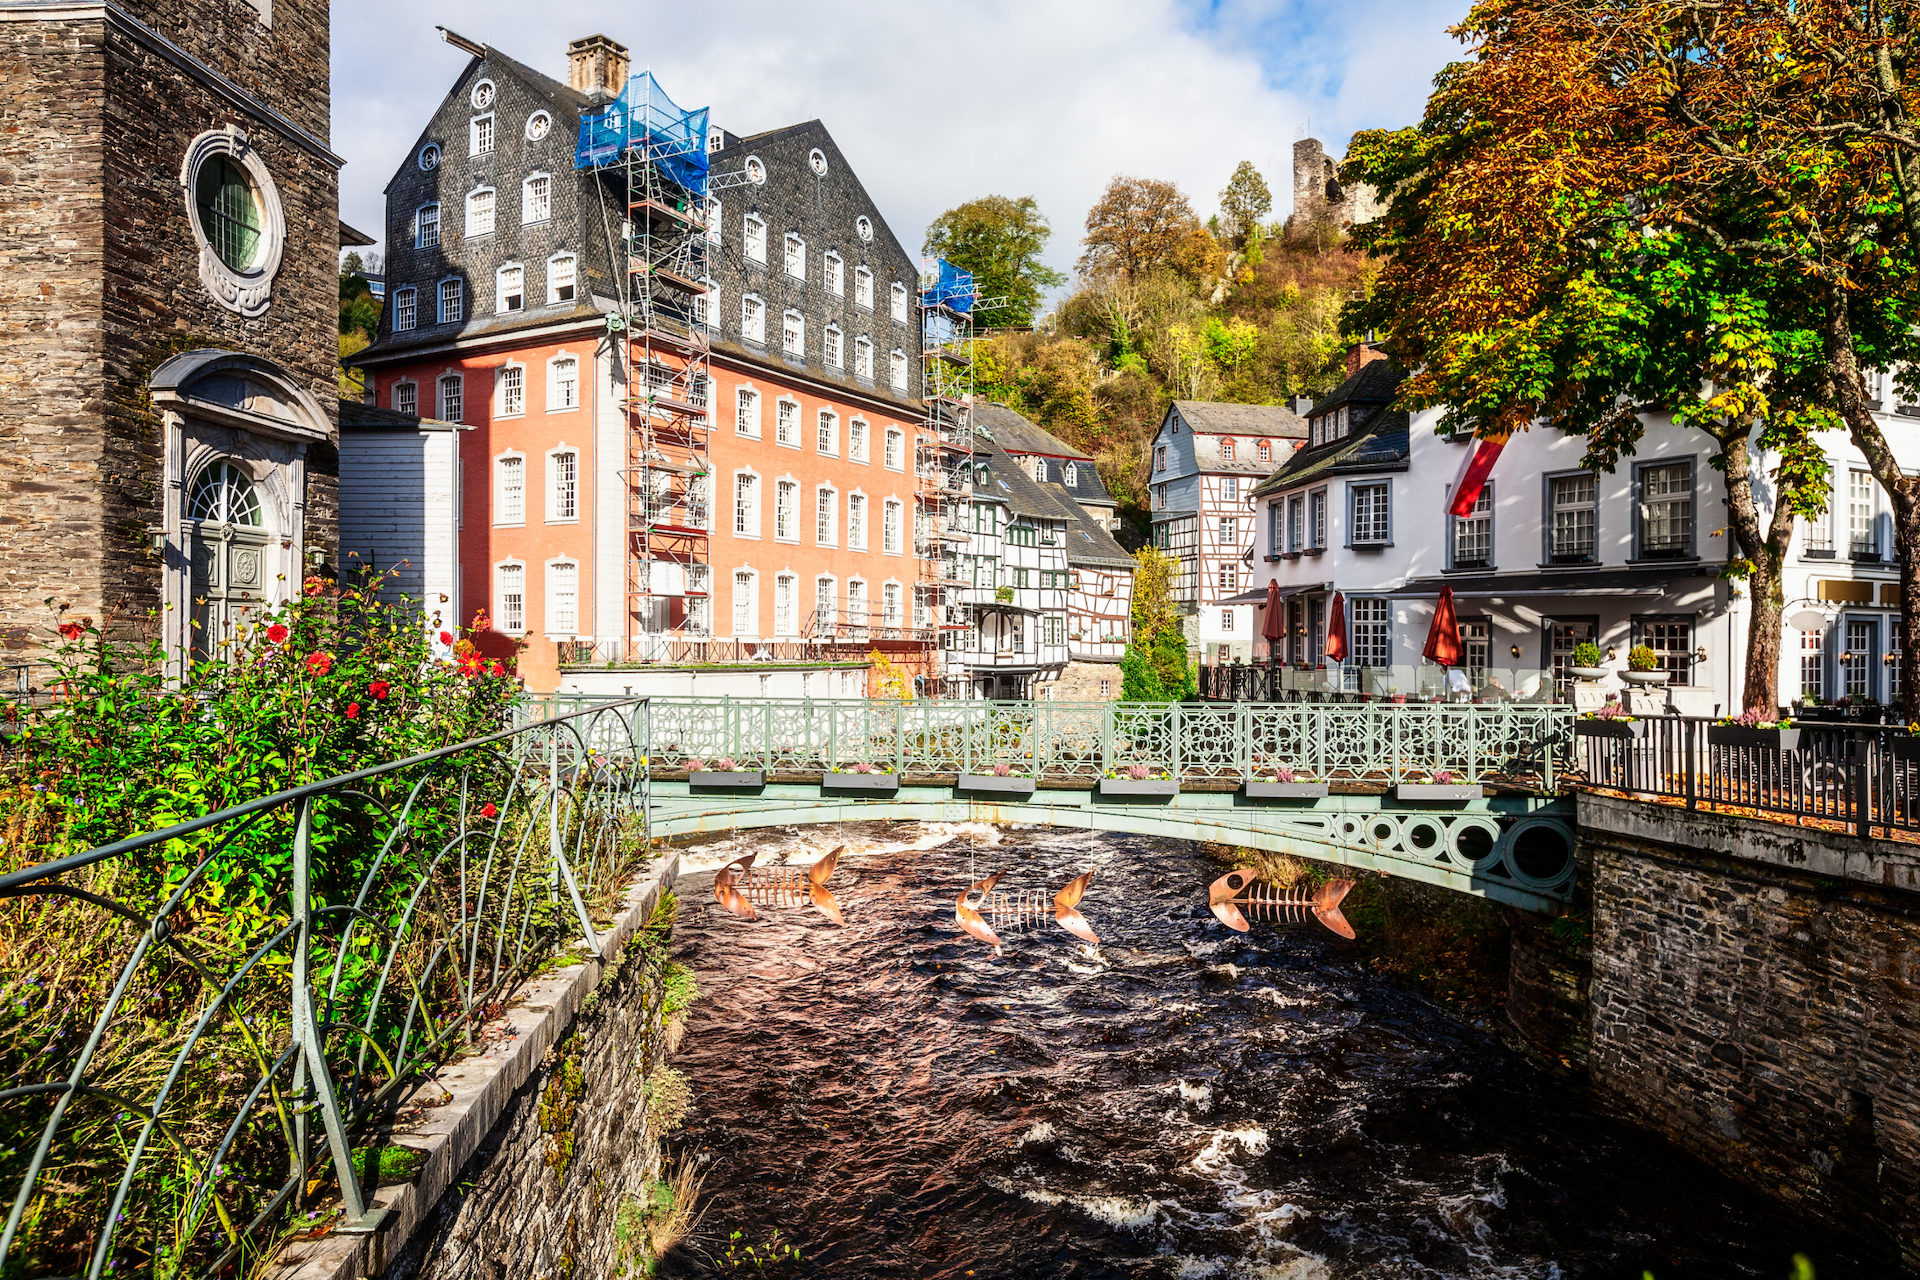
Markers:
1067,741
411,901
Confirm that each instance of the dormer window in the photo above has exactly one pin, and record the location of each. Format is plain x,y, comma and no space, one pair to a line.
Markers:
1226,450
1264,450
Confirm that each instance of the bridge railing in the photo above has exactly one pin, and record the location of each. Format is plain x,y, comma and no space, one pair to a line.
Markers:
226,1008
1863,777
1083,741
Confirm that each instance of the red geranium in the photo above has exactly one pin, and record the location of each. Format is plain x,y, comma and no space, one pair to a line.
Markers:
487,811
353,711
378,689
446,637
499,670
71,631
276,633
319,662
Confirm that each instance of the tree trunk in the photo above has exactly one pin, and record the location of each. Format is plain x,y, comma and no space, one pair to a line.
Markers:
1766,551
1763,640
1903,491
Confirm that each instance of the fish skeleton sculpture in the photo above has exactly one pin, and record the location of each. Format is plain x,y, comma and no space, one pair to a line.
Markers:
1022,907
740,887
1240,894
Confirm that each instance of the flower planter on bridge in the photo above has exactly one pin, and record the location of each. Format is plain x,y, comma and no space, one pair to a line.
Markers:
1449,792
1140,786
1009,785
1270,790
727,778
1603,728
1740,735
860,782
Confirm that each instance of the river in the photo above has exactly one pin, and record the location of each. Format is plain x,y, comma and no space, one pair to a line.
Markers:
1181,1101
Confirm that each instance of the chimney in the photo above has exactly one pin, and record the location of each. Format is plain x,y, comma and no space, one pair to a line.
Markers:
597,67
1362,354
1303,405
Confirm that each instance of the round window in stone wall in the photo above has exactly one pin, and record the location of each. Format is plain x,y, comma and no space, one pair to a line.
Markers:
756,172
539,125
430,157
234,210
817,161
483,95
864,225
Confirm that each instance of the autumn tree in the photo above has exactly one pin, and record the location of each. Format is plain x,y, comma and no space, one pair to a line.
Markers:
1244,203
1000,241
1138,224
1719,225
1154,667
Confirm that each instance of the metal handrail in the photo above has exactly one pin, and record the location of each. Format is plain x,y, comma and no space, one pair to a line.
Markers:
443,901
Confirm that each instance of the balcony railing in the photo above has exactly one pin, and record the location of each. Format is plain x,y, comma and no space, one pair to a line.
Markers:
1281,682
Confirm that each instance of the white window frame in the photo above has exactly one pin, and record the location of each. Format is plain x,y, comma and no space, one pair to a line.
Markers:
793,333
899,292
457,313
459,384
716,212
563,491
857,595
406,308
554,284
531,211
826,435
893,449
480,130
706,304
510,390
493,211
746,516
786,522
552,575
863,358
833,347
826,610
859,439
793,255
856,529
557,402
897,377
746,602
1384,524
753,237
504,464
826,533
1371,628
786,422
891,527
753,319
412,398
863,287
746,412
420,240
833,273
503,618
786,583
500,295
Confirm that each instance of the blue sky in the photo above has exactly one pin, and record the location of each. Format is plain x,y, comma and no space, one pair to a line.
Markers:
938,102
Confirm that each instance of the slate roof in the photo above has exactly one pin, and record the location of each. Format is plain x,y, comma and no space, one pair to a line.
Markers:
1378,444
1220,419
1376,382
563,96
1087,543
1017,434
357,415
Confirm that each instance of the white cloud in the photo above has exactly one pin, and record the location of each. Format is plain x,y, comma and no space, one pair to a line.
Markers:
938,102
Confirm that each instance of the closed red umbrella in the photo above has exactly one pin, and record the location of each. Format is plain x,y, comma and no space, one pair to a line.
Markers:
1337,629
1274,626
1443,638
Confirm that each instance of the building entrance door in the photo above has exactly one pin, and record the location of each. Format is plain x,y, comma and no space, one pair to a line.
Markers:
226,556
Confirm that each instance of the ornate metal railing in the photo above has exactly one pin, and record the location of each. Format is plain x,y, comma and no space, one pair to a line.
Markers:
1083,740
215,992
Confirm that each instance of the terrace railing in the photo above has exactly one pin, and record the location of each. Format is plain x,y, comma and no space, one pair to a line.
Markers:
226,1007
1070,741
1865,778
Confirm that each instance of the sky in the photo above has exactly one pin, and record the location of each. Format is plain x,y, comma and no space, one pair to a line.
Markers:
935,102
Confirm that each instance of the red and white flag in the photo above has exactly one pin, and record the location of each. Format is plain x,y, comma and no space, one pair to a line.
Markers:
1474,470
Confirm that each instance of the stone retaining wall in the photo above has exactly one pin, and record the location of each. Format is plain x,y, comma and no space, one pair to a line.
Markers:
1760,1014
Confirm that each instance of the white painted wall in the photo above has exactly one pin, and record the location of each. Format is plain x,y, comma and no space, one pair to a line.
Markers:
683,682
397,510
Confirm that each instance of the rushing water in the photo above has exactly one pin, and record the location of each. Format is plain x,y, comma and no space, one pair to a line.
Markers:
1181,1101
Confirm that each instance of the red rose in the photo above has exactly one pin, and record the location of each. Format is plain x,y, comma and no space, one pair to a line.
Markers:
71,631
378,689
487,811
319,662
276,633
353,711
499,670
314,586
446,637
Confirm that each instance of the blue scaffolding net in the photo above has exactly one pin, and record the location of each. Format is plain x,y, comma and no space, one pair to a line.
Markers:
644,119
951,288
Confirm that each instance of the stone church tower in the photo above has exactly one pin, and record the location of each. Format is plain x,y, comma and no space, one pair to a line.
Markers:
168,293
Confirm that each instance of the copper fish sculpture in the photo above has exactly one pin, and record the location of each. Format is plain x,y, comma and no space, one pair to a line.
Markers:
1241,894
1022,907
740,887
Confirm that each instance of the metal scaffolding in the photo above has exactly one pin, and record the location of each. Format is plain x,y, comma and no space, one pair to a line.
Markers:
944,455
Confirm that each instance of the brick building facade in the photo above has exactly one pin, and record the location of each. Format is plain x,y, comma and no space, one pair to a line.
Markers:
167,443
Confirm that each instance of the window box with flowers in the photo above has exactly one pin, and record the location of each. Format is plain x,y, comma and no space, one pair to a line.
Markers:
724,772
1002,781
860,777
1610,721
1443,789
1139,780
1285,785
1754,729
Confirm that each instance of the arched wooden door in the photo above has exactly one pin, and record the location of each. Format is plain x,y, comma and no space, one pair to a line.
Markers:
226,554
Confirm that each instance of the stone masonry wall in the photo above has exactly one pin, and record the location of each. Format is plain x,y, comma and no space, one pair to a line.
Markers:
1762,1017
